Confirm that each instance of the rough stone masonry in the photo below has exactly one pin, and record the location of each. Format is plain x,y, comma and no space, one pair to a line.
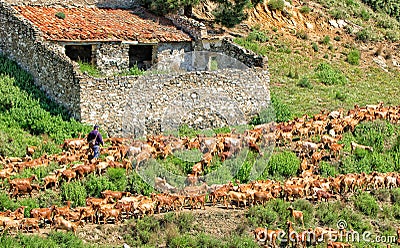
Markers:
136,105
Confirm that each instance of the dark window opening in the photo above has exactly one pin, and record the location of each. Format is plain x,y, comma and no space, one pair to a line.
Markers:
79,53
140,55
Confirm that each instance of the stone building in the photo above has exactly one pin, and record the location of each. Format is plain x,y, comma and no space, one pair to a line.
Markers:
113,40
49,37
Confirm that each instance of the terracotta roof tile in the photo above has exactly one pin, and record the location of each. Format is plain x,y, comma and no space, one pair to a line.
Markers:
102,24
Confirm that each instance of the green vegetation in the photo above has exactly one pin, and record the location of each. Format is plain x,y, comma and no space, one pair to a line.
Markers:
74,192
60,15
326,40
283,164
328,75
276,5
89,68
228,13
391,7
367,204
315,47
177,231
164,7
305,9
354,57
54,240
304,83
302,34
279,112
28,117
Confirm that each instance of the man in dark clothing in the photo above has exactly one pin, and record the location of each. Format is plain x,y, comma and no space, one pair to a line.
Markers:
95,140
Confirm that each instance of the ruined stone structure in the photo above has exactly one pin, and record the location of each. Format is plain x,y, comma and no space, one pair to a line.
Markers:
48,47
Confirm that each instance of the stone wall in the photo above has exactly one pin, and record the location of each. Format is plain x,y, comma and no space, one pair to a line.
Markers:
167,52
52,70
138,105
195,28
111,57
155,103
227,47
205,42
76,3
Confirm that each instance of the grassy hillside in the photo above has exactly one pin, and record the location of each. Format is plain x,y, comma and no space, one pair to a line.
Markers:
28,117
362,57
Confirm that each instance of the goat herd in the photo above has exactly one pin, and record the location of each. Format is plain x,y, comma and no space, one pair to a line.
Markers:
114,206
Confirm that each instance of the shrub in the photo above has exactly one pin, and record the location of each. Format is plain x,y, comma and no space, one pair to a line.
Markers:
315,47
395,195
305,10
29,203
393,36
184,221
94,185
365,15
199,240
49,198
241,241
328,75
326,40
305,83
138,232
302,34
307,208
66,239
386,23
6,203
136,185
327,170
89,69
328,213
293,73
186,131
276,5
354,220
230,13
257,35
117,176
60,15
338,13
364,35
279,112
243,174
366,204
284,164
135,71
337,38
340,96
382,195
354,57
261,216
374,134
162,7
280,207
74,192
395,211
282,111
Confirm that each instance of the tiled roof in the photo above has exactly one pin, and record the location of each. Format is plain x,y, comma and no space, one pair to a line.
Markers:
84,24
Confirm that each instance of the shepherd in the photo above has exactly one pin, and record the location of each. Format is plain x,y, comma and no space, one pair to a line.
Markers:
95,139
